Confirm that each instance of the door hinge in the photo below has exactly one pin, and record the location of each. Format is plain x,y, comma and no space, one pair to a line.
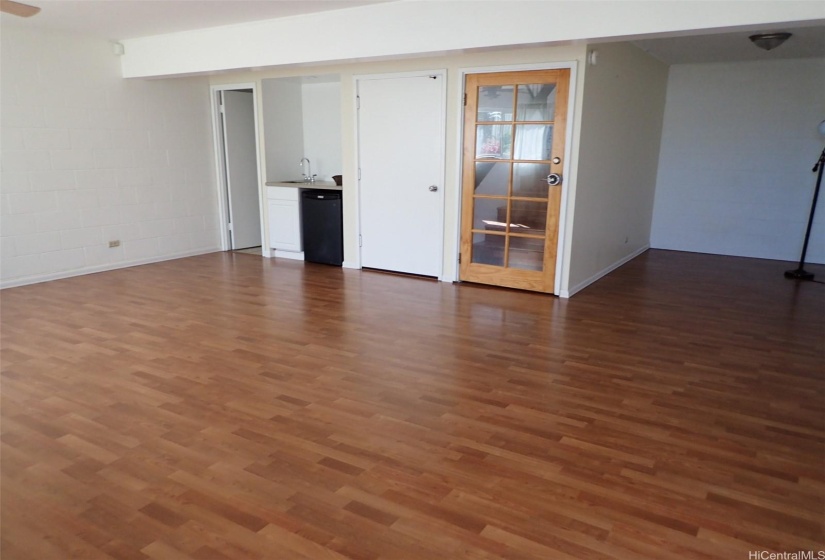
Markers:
229,226
459,258
359,173
357,101
465,99
221,109
360,241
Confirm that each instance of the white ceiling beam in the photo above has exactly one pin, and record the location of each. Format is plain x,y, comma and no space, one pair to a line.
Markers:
419,27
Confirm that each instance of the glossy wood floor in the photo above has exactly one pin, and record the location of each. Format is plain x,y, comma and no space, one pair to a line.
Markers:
229,406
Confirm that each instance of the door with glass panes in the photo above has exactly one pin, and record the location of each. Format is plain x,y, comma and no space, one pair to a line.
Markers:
513,172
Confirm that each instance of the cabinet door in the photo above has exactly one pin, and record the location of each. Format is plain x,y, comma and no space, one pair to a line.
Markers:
284,225
283,193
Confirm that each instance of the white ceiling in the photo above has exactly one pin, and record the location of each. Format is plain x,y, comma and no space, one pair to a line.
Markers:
126,19
806,42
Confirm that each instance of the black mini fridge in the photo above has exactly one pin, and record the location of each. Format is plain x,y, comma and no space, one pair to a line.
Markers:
323,226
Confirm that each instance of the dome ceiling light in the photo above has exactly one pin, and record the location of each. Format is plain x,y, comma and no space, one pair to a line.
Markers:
769,41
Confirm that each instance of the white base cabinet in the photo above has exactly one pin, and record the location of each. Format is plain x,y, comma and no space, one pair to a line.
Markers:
284,218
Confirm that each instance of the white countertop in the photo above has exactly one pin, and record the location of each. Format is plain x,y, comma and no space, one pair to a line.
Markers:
325,185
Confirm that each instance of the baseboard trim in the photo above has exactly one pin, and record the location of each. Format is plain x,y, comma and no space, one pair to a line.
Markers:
26,280
604,272
350,264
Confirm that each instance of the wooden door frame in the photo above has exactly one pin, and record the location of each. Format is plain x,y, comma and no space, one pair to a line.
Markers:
562,248
220,164
442,139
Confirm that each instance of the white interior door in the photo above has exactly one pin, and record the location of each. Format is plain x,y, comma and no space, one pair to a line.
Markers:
241,169
401,159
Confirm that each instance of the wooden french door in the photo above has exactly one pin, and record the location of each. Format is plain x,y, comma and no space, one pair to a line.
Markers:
513,172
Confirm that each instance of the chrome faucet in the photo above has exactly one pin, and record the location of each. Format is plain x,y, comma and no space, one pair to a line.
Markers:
308,176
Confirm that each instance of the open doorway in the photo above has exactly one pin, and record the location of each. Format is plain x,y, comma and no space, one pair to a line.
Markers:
236,148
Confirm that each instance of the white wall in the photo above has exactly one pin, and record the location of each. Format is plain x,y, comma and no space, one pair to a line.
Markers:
88,157
424,27
301,120
738,144
322,128
621,123
283,129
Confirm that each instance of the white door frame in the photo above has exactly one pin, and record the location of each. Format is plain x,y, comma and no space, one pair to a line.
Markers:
562,254
220,163
442,73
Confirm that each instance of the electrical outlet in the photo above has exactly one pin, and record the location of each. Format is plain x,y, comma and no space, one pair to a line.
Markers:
115,243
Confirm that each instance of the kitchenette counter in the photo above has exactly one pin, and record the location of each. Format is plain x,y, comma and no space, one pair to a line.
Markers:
324,185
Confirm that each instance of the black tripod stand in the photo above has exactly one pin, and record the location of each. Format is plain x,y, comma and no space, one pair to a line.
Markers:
800,273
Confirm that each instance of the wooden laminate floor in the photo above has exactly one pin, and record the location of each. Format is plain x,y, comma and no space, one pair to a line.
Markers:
230,406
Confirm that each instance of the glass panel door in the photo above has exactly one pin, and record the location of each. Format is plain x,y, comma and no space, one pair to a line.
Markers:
514,143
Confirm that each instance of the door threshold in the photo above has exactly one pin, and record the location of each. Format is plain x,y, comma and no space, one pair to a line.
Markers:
248,251
404,274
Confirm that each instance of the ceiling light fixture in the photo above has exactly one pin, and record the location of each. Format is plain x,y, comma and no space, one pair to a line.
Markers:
769,41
